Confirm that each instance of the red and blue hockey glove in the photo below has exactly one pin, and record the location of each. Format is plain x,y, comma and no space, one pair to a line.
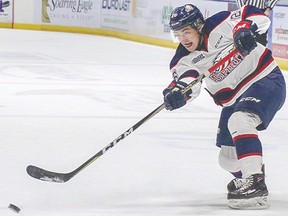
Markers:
173,97
245,37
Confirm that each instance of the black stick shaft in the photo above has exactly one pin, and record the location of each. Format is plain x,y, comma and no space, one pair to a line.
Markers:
46,175
119,138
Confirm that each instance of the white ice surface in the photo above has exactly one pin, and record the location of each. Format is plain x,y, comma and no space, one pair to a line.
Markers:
63,97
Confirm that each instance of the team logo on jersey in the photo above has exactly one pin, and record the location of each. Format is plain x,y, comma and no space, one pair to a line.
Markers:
225,65
198,58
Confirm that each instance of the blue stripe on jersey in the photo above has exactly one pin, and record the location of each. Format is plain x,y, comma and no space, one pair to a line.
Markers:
225,95
215,20
190,73
181,51
251,11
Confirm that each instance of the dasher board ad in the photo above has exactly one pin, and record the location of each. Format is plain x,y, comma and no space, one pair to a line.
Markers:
280,32
82,13
6,11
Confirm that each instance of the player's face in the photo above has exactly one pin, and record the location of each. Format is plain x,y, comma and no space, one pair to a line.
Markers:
188,37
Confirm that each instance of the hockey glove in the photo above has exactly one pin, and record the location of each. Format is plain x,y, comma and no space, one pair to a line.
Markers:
173,97
245,37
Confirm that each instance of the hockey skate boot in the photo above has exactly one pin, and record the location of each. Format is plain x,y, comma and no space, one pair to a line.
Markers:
252,194
237,183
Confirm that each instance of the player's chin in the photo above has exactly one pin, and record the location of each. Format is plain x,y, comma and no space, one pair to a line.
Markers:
189,46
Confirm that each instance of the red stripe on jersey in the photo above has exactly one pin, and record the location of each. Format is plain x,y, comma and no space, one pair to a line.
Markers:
223,62
244,12
244,136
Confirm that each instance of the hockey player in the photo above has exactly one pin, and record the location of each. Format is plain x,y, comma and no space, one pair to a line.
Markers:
250,88
266,7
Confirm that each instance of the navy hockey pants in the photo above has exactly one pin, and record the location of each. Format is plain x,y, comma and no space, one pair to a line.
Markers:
264,98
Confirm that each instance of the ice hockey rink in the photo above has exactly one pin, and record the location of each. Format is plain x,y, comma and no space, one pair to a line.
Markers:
63,97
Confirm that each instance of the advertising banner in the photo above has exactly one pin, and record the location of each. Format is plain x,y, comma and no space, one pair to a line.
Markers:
280,32
82,13
151,18
6,11
116,14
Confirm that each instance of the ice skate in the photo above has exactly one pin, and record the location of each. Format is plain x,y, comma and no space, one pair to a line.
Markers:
237,183
250,193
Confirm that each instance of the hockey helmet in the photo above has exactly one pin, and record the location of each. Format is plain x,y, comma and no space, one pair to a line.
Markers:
187,15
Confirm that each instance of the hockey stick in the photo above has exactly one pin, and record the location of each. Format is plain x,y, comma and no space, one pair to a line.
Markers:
49,176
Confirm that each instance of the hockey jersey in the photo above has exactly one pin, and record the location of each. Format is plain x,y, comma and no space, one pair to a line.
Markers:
225,84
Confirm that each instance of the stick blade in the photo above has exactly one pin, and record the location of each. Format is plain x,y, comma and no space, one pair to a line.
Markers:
45,175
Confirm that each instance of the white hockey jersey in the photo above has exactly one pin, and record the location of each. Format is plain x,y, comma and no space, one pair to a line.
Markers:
224,84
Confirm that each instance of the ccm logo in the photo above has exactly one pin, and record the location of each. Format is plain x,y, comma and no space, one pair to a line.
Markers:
252,99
